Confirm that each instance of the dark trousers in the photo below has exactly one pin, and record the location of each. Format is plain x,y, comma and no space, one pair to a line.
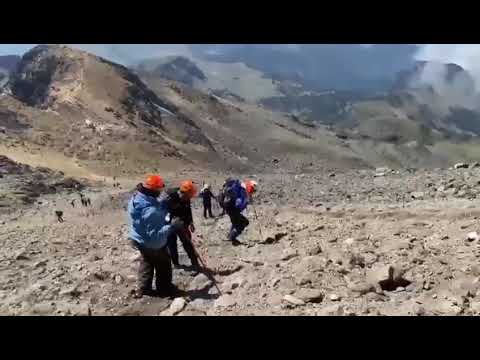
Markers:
186,240
207,208
154,261
239,223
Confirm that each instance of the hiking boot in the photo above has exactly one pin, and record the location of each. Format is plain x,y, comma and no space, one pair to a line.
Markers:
168,292
140,293
236,242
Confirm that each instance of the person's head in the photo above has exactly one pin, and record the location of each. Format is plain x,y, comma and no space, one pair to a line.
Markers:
154,183
251,186
187,190
206,187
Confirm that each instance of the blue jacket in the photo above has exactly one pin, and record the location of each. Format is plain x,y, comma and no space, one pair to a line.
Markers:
148,226
236,198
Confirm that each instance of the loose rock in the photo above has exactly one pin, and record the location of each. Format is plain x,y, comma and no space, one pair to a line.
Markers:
293,300
177,305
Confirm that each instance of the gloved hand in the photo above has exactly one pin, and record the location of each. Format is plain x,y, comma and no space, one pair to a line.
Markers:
177,224
192,228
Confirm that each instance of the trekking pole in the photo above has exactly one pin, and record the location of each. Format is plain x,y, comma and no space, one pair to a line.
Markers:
258,221
204,265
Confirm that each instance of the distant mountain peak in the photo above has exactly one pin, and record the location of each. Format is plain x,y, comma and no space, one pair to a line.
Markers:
176,68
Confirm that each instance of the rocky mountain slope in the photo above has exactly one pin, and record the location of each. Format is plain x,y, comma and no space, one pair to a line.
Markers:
328,234
94,111
68,104
343,243
22,185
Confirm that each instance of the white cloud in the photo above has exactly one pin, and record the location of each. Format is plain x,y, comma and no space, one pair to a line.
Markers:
465,55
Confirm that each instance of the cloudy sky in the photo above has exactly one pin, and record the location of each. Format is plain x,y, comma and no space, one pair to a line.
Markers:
465,55
121,53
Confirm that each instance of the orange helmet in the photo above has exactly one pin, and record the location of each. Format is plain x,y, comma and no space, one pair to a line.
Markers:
154,182
188,187
251,186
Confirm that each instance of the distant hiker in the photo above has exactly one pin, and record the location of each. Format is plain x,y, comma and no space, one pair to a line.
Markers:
73,203
59,215
221,197
82,200
235,200
207,195
149,233
179,206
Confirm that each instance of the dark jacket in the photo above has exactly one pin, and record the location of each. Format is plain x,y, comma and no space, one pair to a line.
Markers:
207,196
178,207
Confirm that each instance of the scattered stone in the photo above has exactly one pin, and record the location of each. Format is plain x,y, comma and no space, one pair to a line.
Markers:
43,309
334,297
475,307
418,195
474,165
21,255
225,301
233,283
357,260
372,296
313,250
319,227
473,236
333,310
41,263
460,166
271,239
72,291
361,287
118,279
349,241
309,295
177,305
228,269
293,300
200,283
288,254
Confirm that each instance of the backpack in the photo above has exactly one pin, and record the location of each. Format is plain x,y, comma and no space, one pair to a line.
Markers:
234,196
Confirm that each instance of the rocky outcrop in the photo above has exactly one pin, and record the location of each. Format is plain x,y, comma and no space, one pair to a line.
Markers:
179,69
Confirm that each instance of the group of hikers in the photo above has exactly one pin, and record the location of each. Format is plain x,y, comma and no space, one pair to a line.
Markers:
84,200
159,216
